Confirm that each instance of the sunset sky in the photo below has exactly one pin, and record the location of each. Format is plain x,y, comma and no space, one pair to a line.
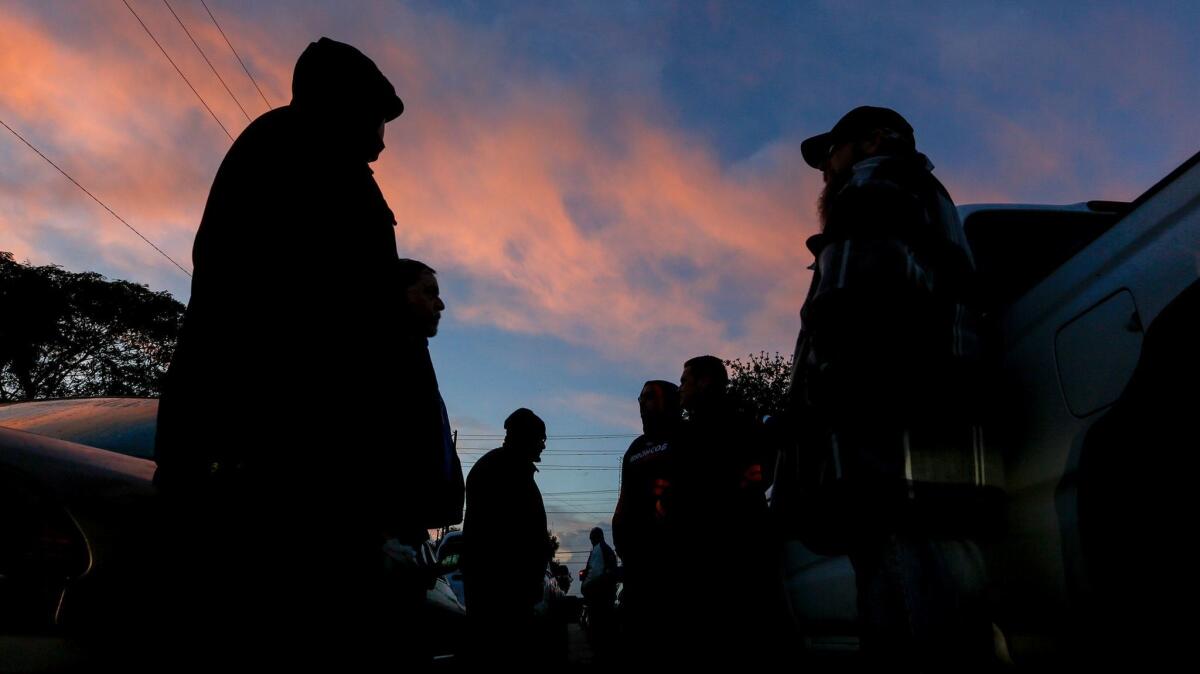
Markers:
605,188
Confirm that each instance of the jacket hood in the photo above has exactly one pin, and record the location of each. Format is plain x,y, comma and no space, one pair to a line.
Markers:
332,75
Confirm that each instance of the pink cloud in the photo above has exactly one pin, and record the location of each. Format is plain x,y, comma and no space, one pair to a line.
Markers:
471,196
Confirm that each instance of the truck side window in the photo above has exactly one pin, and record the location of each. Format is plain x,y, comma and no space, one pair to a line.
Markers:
1015,249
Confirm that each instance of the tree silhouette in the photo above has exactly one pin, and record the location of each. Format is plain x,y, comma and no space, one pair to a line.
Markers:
759,385
67,334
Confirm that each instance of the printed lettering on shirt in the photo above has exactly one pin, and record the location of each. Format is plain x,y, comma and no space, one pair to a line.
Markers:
649,452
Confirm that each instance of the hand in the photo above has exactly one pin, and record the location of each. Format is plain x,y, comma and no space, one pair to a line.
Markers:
400,556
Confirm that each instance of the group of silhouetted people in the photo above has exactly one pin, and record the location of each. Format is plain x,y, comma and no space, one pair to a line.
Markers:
304,450
692,528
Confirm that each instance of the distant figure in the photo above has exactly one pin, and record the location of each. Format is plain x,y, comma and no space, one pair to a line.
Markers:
728,596
600,580
885,385
428,480
277,415
639,525
599,590
562,576
506,546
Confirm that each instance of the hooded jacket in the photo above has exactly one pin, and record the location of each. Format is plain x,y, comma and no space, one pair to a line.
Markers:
284,373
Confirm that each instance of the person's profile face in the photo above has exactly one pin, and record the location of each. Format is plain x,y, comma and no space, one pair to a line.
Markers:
690,388
375,141
841,159
529,442
424,304
650,402
535,444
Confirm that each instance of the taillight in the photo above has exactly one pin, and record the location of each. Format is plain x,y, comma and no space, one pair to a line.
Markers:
59,549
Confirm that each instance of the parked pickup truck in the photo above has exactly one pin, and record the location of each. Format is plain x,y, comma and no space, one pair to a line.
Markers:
1096,310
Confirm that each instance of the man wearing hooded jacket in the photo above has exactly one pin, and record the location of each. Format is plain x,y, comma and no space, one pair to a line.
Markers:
274,424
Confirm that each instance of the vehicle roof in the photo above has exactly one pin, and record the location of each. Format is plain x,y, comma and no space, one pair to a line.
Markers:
1085,206
124,425
71,470
966,210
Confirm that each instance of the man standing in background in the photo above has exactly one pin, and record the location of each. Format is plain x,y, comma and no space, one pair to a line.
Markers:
425,473
727,605
506,547
599,590
639,524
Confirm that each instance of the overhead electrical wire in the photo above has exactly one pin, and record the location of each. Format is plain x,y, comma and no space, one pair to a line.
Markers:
172,62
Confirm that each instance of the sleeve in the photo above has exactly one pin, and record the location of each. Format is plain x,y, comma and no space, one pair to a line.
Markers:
620,526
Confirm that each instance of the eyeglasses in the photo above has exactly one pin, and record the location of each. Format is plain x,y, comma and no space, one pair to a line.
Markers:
834,146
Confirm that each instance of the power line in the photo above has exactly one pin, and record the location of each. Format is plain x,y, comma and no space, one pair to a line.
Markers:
556,467
593,437
573,436
578,469
549,452
572,451
94,198
585,498
589,491
568,465
185,79
235,54
205,57
473,461
467,443
470,443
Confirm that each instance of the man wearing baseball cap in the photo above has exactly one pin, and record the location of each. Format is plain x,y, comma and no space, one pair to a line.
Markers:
884,390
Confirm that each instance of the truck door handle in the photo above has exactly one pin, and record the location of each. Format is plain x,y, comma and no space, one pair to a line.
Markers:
1135,323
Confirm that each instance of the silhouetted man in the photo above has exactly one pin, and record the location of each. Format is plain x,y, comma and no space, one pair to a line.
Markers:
639,524
506,546
884,384
276,417
428,481
717,505
599,590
